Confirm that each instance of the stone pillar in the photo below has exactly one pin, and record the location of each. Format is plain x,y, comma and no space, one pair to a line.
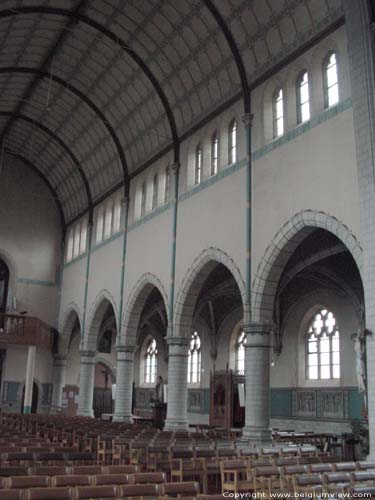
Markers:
177,384
86,384
257,371
124,383
29,379
360,29
59,371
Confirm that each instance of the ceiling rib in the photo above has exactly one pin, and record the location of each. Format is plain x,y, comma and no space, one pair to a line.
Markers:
61,143
78,16
47,75
17,113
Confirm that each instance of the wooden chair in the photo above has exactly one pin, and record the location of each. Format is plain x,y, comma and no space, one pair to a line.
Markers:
361,491
344,467
22,482
365,465
71,480
183,489
267,480
308,483
336,482
235,476
91,492
288,473
7,494
138,491
49,494
363,478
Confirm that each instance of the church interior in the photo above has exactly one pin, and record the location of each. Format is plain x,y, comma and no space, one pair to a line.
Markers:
234,355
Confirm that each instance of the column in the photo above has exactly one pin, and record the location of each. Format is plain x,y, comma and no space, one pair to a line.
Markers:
59,372
177,384
86,384
360,29
29,379
124,383
257,370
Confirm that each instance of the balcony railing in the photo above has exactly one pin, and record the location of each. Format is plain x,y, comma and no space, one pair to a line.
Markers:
25,330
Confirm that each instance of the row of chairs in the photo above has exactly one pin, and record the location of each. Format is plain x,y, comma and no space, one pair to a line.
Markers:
241,476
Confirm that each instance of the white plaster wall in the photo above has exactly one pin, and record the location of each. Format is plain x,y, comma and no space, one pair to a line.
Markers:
30,239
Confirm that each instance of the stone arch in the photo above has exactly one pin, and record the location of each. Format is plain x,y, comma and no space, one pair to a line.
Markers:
192,283
135,304
95,317
71,315
281,248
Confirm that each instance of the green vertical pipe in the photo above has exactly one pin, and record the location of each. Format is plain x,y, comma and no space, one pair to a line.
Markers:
60,275
247,122
176,170
124,242
87,274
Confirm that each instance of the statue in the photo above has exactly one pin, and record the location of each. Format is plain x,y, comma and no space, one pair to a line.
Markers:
359,339
159,390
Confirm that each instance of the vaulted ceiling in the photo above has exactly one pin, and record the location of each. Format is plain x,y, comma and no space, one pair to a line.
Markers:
92,91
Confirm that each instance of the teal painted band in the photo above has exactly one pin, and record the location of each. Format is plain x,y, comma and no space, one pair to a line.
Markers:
173,253
73,261
122,282
29,281
97,246
89,239
26,410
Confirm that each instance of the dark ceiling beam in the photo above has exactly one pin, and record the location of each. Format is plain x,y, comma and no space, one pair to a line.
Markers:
235,51
70,88
43,67
35,169
62,144
78,16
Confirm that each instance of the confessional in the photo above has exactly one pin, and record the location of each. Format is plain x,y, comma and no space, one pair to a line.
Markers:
225,399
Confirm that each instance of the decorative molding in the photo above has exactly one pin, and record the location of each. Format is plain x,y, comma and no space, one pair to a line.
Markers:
304,127
97,246
30,281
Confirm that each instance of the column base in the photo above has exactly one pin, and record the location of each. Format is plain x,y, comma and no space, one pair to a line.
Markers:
26,410
176,425
85,413
256,436
119,417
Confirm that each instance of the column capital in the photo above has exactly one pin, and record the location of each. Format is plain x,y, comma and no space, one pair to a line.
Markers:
126,348
86,353
258,328
175,167
177,341
247,119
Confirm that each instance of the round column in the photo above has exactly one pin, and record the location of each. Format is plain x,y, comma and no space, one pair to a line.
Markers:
59,372
86,384
124,384
30,365
177,384
257,371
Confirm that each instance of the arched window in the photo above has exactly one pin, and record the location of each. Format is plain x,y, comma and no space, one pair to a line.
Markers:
194,359
303,98
167,184
214,153
82,248
143,199
198,165
108,220
240,353
151,362
330,80
232,142
99,225
69,252
155,183
323,347
278,113
117,214
77,239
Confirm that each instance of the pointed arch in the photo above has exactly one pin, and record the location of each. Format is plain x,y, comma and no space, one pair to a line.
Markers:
193,281
69,318
135,304
95,317
277,254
